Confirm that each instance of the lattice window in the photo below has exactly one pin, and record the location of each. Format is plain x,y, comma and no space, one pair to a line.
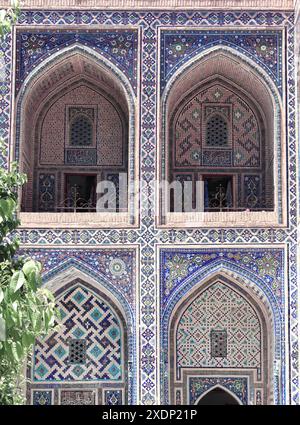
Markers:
81,133
218,343
77,351
216,131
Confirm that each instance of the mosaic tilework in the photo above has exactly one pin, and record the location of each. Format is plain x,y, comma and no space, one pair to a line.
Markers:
84,316
5,100
41,398
46,192
118,46
113,397
199,386
252,190
178,265
77,398
262,46
191,130
81,156
147,234
219,309
108,131
182,269
118,269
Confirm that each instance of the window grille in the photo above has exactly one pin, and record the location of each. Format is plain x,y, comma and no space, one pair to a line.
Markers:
216,131
77,351
81,131
218,343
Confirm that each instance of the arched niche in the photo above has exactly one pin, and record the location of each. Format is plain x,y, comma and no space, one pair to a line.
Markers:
221,333
85,360
259,96
218,395
76,81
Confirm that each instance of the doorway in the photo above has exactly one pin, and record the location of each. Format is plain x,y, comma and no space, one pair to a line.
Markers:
218,397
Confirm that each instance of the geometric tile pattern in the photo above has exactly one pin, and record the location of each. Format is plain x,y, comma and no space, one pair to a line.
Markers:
193,132
200,385
183,268
83,315
42,398
219,308
113,397
103,130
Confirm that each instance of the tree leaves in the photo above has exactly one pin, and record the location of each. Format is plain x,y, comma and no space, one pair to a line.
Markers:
17,281
32,271
7,208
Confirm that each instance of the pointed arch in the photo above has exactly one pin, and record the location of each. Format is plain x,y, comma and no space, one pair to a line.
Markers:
73,269
225,63
97,308
219,386
265,333
54,74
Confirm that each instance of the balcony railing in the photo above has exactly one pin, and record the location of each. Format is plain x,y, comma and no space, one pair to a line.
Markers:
76,203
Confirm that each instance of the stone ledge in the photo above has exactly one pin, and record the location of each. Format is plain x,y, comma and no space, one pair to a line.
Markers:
74,220
244,219
153,4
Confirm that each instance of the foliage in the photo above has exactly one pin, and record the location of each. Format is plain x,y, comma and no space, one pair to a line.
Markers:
27,310
8,17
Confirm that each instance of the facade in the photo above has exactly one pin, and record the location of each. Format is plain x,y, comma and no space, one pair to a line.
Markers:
168,295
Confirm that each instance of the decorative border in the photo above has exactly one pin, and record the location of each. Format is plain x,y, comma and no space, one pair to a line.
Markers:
235,385
154,4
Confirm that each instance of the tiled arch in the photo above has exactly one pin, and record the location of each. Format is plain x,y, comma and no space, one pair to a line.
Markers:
123,87
215,373
184,81
100,390
221,386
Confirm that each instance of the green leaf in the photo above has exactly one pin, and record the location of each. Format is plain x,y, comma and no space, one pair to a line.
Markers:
15,351
29,267
17,281
7,208
1,295
27,339
32,270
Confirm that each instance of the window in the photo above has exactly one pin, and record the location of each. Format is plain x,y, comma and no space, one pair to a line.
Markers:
77,351
218,343
81,132
218,193
80,193
216,131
